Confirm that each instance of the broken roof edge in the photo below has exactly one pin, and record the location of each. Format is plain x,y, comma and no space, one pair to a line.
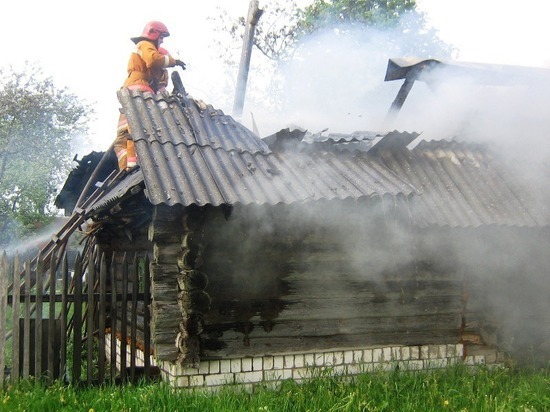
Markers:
363,197
287,138
421,69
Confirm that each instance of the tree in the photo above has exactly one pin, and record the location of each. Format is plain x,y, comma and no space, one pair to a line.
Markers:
284,25
302,49
38,123
380,13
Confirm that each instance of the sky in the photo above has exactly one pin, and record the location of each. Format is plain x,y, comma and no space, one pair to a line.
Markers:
85,45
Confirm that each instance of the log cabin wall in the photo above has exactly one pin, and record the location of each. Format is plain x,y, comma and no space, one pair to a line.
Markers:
324,275
179,301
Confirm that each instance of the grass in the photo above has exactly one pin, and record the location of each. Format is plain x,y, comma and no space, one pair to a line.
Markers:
454,389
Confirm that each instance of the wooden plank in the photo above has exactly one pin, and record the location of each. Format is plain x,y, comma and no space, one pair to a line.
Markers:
123,316
311,309
290,290
102,314
51,319
147,317
4,271
63,313
90,306
27,321
113,370
77,320
345,326
16,335
40,267
133,318
273,345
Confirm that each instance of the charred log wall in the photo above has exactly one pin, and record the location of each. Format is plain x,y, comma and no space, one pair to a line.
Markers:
342,274
179,301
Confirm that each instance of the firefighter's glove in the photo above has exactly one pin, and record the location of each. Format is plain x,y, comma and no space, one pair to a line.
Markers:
180,64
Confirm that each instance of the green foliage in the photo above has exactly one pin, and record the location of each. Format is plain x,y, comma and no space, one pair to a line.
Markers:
455,389
38,122
283,26
379,13
312,41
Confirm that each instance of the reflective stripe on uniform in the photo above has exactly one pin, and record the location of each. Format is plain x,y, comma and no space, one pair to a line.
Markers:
122,124
121,153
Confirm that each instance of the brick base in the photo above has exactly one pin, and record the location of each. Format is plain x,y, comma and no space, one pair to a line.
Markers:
270,370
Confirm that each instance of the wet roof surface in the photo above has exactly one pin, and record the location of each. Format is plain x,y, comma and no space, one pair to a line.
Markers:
190,153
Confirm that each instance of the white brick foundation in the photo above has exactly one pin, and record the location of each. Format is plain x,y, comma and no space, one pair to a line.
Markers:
272,369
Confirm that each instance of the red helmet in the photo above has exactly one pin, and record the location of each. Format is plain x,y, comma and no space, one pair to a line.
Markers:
154,29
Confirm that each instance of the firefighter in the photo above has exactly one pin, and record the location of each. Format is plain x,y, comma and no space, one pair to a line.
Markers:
146,72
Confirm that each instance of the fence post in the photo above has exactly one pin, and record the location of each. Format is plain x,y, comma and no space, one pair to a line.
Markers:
4,270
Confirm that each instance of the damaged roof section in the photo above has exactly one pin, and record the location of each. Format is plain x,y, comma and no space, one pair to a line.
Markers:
190,153
463,185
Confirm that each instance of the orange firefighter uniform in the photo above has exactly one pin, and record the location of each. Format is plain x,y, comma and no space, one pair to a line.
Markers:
146,72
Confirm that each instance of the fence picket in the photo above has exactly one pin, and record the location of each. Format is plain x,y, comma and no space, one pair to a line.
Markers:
15,360
77,321
147,317
4,271
27,321
63,315
90,281
51,319
38,321
114,291
102,315
133,318
123,318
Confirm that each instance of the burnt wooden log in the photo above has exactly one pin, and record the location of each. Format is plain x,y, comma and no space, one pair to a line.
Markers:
189,350
191,259
191,240
193,324
192,279
194,302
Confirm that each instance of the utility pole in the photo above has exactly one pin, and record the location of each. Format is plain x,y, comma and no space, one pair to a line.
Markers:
254,14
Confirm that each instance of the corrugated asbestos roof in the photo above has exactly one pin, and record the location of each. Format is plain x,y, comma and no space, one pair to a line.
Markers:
194,154
463,185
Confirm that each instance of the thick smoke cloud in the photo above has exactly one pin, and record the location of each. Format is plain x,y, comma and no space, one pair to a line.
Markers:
337,83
